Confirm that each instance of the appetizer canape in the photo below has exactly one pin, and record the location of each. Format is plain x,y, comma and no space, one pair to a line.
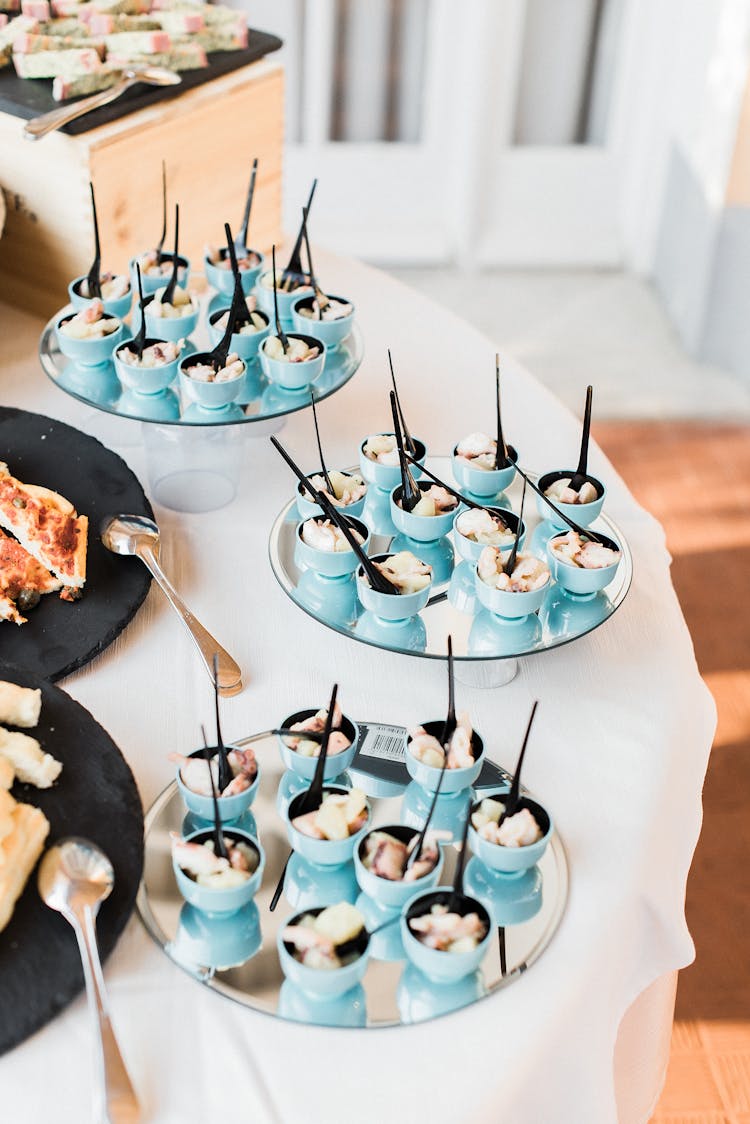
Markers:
89,335
433,516
462,755
115,293
323,547
445,934
218,268
581,565
324,951
153,370
582,505
300,753
246,339
475,528
475,465
157,269
329,835
210,882
379,463
411,578
381,860
331,324
295,366
349,493
194,783
211,387
171,320
290,287
513,595
515,844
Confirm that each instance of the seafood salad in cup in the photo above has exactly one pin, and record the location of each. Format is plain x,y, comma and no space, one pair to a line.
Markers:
444,930
576,550
459,750
518,830
112,285
484,527
435,500
194,772
200,863
341,815
299,350
180,305
257,322
478,450
246,259
324,939
348,487
405,571
382,448
322,534
335,309
529,572
151,266
233,368
386,856
561,492
157,354
315,724
90,323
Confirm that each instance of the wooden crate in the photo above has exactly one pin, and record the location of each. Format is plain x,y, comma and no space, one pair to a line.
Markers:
208,137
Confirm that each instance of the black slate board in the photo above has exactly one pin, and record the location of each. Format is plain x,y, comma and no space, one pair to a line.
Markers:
95,797
28,97
60,637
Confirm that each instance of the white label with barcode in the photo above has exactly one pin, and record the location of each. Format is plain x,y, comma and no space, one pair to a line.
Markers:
384,742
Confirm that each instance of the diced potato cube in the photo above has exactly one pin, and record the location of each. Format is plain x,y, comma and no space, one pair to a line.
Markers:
356,802
332,821
339,922
426,506
491,809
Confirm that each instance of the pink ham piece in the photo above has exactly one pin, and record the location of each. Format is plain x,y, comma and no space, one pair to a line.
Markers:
36,9
123,43
3,19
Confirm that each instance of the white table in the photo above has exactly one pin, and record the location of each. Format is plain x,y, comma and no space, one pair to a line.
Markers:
619,752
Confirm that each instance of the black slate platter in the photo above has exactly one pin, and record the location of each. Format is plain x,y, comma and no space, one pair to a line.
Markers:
28,97
95,797
60,637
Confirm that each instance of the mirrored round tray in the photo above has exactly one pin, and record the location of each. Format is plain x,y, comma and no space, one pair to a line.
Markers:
237,955
479,636
257,401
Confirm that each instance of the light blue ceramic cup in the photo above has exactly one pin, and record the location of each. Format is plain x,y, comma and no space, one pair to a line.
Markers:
92,352
454,780
443,967
576,579
421,528
390,606
507,604
145,380
118,307
221,901
470,550
331,332
386,477
482,482
581,513
172,328
286,301
307,509
323,852
221,941
512,860
209,395
384,891
322,982
329,563
418,999
246,344
305,766
230,807
293,376
150,283
223,279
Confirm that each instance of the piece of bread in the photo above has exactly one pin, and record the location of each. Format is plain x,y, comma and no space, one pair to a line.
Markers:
46,525
19,851
20,706
31,764
7,775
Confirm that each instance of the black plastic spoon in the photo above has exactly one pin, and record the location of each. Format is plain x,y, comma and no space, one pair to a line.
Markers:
500,462
513,796
509,566
238,307
225,772
594,536
140,339
169,291
579,478
240,241
324,470
410,493
294,265
219,844
279,330
458,877
217,357
410,443
160,243
449,487
93,277
312,798
320,296
377,580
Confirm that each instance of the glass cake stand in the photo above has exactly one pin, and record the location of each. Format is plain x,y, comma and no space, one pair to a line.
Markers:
194,454
486,647
236,955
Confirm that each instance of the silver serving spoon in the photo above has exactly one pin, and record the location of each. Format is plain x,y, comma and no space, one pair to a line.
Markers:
56,118
74,878
139,536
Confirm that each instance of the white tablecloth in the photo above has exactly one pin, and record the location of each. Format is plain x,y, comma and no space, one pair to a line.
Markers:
619,752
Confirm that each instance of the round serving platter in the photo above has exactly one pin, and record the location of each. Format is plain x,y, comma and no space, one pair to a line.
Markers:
237,956
453,609
257,401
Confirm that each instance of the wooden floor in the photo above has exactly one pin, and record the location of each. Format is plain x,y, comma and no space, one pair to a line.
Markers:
692,476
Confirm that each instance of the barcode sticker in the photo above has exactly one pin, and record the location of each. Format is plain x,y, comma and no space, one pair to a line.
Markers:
383,742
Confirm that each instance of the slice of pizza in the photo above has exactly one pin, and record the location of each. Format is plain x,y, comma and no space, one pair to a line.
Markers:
48,527
22,580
